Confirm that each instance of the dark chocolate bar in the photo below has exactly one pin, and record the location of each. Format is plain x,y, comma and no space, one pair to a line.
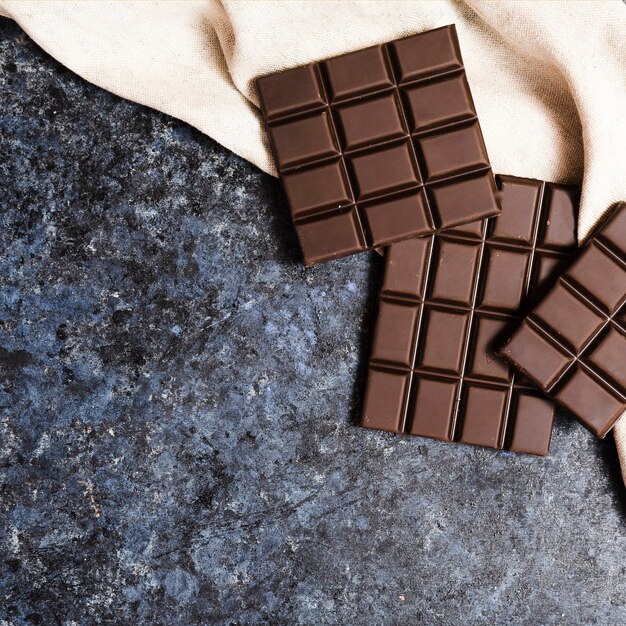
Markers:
378,145
573,343
447,302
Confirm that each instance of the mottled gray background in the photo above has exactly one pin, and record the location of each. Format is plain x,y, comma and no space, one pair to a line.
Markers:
177,402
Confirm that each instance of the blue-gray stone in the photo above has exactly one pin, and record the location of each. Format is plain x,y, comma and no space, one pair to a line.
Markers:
177,405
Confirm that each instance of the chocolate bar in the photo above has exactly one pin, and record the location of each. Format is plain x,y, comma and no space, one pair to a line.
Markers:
446,303
573,343
379,145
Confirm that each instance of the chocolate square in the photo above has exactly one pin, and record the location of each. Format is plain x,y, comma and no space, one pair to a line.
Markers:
466,288
573,343
389,132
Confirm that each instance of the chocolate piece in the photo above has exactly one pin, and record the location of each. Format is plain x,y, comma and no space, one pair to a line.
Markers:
447,301
573,343
378,145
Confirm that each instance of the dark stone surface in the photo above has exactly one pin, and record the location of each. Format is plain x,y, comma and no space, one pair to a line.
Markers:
176,398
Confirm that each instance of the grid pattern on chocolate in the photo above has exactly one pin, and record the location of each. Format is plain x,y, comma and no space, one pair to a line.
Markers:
573,343
446,303
378,145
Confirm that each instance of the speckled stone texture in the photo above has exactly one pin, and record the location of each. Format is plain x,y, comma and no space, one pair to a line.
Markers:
177,405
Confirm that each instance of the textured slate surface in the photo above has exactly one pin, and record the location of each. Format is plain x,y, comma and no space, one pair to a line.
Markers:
176,403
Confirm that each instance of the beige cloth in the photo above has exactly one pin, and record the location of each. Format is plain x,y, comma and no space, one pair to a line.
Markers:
548,77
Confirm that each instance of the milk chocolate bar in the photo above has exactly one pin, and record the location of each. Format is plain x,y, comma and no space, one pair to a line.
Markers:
447,302
573,343
379,145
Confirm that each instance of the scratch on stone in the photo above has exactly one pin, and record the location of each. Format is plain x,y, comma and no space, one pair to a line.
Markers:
255,520
202,334
92,499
